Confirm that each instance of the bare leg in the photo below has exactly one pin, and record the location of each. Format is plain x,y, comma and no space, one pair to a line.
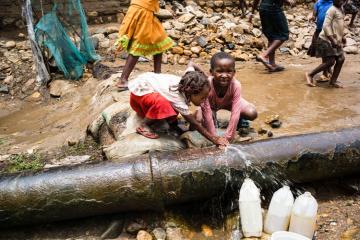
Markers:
329,61
353,16
157,63
270,53
129,66
337,69
249,113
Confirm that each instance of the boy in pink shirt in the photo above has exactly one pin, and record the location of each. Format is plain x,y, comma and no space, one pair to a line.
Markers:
225,93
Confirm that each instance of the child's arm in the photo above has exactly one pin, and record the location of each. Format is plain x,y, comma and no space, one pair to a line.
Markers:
195,67
207,116
327,27
218,141
235,113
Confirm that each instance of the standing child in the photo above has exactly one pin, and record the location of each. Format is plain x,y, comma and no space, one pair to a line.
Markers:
160,97
225,93
141,34
319,13
275,28
330,45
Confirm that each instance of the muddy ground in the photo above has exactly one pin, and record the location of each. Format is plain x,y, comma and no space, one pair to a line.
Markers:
44,127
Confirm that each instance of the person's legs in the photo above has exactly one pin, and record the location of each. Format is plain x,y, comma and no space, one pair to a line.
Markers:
353,16
248,110
329,61
270,54
337,69
129,66
157,63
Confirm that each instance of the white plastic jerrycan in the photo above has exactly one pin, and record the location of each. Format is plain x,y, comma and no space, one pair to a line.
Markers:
250,209
278,215
303,216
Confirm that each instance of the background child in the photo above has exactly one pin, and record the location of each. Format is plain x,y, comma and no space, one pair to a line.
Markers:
141,34
352,7
275,28
160,97
330,44
319,13
225,93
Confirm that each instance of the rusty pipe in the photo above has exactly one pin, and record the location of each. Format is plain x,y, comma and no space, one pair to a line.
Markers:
153,181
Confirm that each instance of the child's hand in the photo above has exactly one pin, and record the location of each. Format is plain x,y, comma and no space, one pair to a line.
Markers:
221,142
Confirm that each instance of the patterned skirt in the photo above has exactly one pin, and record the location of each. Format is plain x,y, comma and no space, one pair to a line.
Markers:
141,33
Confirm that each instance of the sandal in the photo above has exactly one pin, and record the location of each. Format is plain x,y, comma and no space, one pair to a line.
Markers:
147,133
278,68
266,63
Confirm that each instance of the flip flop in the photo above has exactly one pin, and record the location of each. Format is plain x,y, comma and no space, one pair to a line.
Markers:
266,63
277,69
146,133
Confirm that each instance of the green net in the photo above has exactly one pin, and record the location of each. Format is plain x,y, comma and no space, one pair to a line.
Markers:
62,31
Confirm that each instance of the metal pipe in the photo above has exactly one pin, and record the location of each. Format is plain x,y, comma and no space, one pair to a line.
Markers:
155,180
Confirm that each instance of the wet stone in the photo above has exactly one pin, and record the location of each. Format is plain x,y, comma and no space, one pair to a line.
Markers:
159,234
4,89
143,235
174,234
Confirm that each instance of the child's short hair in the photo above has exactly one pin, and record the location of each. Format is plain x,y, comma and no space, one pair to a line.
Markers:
218,56
192,82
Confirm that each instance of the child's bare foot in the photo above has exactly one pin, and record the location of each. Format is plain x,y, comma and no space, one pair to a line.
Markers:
336,85
122,86
264,61
309,80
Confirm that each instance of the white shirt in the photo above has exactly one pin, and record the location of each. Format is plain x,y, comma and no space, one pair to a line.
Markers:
165,85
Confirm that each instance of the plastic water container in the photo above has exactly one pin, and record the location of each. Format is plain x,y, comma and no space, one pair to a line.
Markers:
250,209
303,216
278,215
282,235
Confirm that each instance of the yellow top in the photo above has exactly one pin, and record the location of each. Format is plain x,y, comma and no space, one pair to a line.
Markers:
151,5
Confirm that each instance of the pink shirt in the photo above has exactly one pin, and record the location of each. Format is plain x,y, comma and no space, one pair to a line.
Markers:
231,101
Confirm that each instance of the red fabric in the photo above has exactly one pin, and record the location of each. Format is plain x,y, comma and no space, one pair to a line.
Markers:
153,106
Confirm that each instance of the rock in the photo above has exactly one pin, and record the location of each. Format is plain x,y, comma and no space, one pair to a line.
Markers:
21,35
159,234
69,160
105,43
174,234
270,134
10,44
143,235
179,26
207,231
201,41
164,14
276,124
256,32
186,18
9,79
35,96
350,42
187,53
239,56
236,235
59,88
167,25
272,118
112,29
215,19
113,36
257,43
95,42
173,34
262,131
134,227
182,61
351,49
229,25
218,3
4,89
177,50
196,50
27,85
92,14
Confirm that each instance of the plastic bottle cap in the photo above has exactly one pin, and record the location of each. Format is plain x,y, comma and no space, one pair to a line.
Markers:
307,194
